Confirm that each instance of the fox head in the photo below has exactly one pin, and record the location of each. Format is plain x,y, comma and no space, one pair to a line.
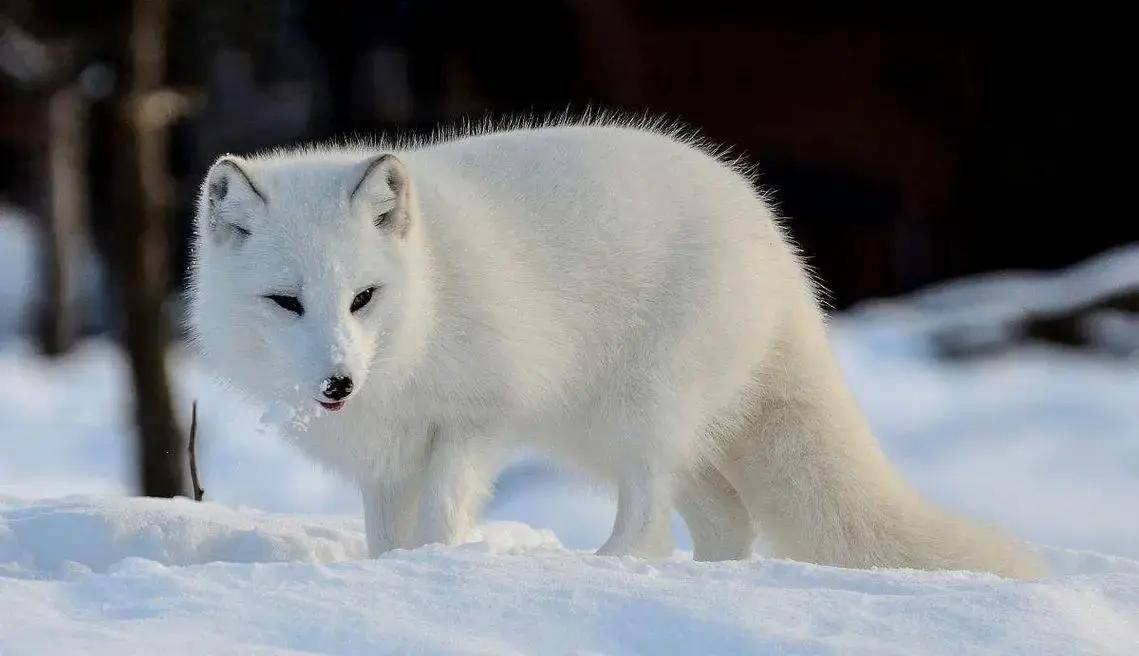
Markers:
304,273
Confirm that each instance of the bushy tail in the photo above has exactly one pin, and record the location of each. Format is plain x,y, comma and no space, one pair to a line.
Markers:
815,481
946,541
817,484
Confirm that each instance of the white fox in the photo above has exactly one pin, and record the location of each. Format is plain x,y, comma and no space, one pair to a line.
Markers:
616,295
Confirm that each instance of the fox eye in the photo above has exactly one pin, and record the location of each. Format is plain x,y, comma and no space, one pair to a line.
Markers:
362,299
290,303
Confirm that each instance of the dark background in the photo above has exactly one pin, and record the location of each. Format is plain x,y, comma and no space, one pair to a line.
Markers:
903,148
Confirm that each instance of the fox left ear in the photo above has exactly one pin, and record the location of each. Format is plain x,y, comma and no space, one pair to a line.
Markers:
230,202
383,189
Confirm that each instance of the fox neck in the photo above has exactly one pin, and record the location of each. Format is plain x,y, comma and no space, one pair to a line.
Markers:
419,312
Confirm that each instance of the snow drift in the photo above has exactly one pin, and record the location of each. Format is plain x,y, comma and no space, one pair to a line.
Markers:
125,576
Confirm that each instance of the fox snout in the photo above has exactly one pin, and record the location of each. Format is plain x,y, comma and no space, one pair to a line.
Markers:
335,367
335,390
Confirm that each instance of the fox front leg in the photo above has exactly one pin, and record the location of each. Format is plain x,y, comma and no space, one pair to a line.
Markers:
456,482
390,510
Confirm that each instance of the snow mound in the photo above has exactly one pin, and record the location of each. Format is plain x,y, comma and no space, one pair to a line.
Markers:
1003,294
95,533
119,575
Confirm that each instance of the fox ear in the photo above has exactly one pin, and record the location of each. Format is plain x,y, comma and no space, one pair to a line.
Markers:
383,190
230,200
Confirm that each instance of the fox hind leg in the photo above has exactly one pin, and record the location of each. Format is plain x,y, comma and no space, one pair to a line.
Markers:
720,525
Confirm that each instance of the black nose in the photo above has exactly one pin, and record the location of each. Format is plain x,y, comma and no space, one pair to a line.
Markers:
337,387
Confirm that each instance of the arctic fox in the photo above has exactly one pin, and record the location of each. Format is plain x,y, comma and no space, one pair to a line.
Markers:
618,296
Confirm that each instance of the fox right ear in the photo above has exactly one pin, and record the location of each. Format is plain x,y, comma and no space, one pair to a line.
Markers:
230,200
384,190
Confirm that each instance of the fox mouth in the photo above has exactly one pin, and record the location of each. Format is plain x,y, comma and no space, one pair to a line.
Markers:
331,405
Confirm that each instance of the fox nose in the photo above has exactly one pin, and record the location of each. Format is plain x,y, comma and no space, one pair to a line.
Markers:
336,387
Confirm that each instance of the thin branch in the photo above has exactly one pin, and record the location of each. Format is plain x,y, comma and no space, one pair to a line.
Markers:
198,491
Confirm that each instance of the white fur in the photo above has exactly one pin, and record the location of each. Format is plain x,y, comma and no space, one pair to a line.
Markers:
616,295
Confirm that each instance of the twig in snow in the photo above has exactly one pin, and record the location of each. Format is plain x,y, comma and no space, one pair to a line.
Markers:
198,491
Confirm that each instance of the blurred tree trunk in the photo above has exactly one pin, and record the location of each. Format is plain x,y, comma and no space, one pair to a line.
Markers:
64,246
143,194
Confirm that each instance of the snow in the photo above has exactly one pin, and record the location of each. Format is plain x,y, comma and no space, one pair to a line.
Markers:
17,267
1004,294
1042,441
120,575
18,272
982,312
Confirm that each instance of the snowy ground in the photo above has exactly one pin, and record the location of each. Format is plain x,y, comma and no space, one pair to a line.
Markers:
151,576
1044,442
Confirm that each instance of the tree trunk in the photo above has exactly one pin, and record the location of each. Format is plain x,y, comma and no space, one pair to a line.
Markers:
64,247
143,193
